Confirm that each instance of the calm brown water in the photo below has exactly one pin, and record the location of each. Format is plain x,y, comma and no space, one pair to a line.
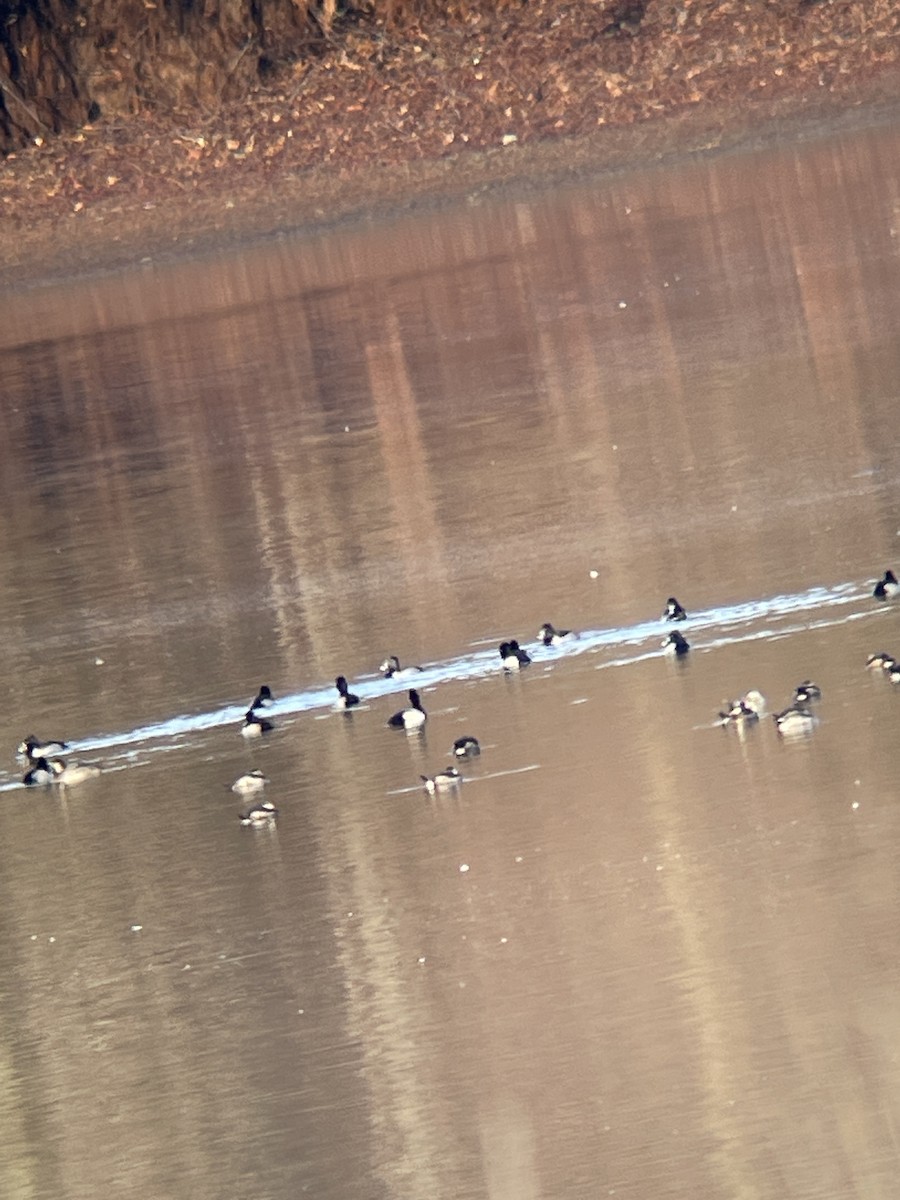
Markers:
636,954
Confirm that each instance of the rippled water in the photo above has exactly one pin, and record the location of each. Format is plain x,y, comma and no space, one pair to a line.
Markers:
634,954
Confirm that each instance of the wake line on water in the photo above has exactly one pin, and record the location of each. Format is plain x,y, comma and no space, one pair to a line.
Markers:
729,623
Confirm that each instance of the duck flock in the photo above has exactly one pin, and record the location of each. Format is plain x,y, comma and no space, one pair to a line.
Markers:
47,764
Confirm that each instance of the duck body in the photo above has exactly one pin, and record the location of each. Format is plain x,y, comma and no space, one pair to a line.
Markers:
744,711
795,720
72,773
391,669
40,773
346,698
466,747
264,813
443,781
253,781
33,748
513,657
805,693
254,725
674,611
264,698
887,586
880,661
413,717
676,644
552,637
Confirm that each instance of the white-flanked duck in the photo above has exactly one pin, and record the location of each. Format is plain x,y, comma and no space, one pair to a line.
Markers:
675,644
887,587
346,698
72,773
41,772
264,698
263,813
745,710
443,781
880,661
34,748
413,717
254,725
674,611
466,747
513,657
552,637
253,781
795,720
391,669
806,692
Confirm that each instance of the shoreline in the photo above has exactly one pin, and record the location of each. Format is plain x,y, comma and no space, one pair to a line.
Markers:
222,212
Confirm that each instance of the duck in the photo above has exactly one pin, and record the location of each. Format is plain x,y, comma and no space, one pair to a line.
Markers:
448,778
795,720
253,781
392,670
887,587
263,813
346,698
413,717
70,774
674,611
880,661
41,772
513,657
805,692
254,725
33,748
893,672
675,644
745,710
264,698
466,747
552,637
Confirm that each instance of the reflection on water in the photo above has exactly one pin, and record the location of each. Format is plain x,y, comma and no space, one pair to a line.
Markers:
633,954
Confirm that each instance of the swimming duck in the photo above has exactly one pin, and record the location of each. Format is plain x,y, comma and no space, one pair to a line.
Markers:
675,644
880,661
887,587
552,637
253,781
745,710
674,611
264,697
413,717
893,672
795,720
392,669
466,747
448,778
33,748
345,699
260,814
73,773
41,772
254,725
805,692
513,656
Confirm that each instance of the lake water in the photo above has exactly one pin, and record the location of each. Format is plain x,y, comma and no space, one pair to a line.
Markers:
634,954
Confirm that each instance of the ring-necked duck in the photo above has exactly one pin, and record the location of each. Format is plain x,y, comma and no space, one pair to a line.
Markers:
260,814
346,699
552,637
675,643
887,586
254,725
253,781
392,669
466,747
264,697
70,774
410,718
41,772
33,748
674,611
512,656
448,778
